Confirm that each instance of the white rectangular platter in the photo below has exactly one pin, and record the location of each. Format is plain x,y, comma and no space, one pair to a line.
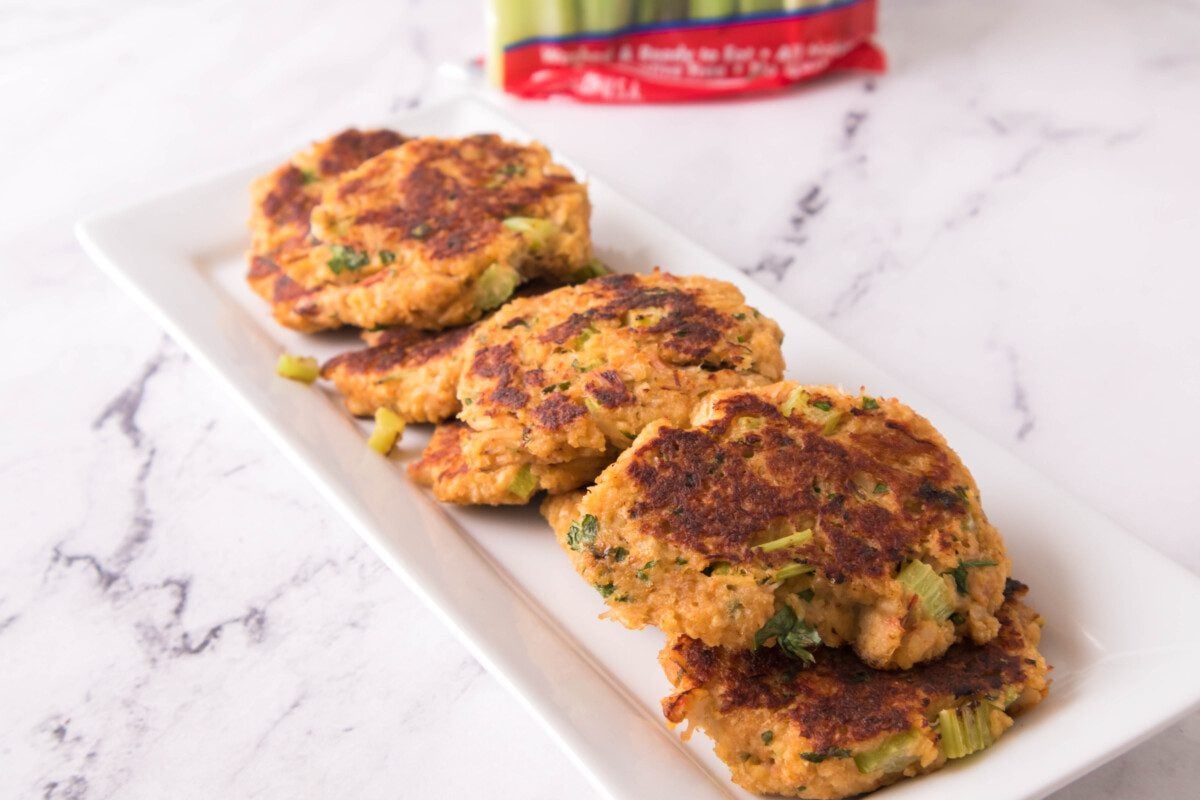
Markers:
1122,628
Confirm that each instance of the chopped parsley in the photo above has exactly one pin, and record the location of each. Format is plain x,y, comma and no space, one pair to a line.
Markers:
387,256
959,573
824,405
582,532
806,595
308,176
605,589
556,386
347,258
514,169
870,403
793,635
829,752
642,573
739,316
619,554
881,487
680,560
768,737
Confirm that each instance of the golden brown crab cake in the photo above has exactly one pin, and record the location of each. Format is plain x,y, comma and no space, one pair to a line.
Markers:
850,514
579,371
410,371
443,468
434,233
413,372
838,728
282,203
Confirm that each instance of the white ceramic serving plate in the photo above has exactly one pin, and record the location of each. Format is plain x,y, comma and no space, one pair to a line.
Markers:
1121,631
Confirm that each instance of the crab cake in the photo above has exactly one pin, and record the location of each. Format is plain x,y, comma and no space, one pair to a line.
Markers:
580,371
410,371
434,233
443,467
839,519
282,203
838,728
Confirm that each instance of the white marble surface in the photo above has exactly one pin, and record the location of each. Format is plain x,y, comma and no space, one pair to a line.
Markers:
1010,218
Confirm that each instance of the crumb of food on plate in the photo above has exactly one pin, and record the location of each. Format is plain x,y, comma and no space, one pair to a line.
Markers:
791,516
281,207
569,378
432,234
389,427
297,368
838,728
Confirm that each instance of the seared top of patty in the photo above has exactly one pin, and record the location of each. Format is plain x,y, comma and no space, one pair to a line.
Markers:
873,481
838,701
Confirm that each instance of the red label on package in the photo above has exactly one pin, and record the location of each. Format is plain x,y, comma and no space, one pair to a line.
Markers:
690,60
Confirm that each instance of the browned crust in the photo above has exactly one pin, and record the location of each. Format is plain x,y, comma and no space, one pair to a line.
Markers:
608,389
706,491
399,348
455,197
839,700
442,458
690,329
557,412
500,363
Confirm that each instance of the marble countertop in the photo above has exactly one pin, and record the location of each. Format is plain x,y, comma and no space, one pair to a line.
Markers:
1009,218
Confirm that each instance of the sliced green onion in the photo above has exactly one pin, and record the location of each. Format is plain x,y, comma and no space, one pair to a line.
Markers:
388,429
495,285
792,570
927,585
892,755
538,231
524,483
965,730
299,368
798,397
791,540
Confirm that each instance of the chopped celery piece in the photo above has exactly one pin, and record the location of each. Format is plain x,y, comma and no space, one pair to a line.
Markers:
929,587
798,397
831,423
524,484
892,755
965,730
792,570
298,368
538,231
388,429
791,540
495,285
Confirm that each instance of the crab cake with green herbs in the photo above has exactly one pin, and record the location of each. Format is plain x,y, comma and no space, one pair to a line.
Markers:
569,378
282,204
581,370
435,232
410,371
443,467
414,373
837,728
799,515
